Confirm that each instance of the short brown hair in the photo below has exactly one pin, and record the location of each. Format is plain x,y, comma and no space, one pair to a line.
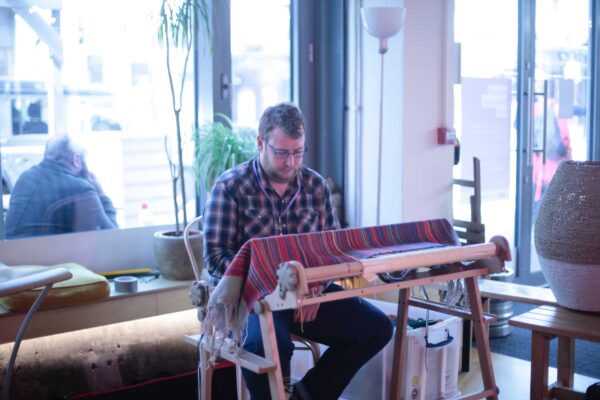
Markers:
286,116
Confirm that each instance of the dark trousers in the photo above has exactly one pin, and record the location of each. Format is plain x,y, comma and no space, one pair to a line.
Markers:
353,329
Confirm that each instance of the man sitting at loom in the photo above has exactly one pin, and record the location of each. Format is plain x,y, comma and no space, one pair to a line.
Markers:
275,194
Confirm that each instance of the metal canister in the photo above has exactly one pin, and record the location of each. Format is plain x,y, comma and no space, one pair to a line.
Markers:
503,309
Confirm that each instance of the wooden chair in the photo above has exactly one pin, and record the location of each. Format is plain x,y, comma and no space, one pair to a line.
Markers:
205,366
472,231
248,360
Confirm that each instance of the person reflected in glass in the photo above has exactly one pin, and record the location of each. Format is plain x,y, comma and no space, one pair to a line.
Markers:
35,123
275,194
59,195
16,118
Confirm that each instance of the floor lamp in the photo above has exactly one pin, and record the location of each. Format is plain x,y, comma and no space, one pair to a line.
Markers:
382,23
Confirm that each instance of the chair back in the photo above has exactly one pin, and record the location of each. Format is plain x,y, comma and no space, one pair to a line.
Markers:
188,245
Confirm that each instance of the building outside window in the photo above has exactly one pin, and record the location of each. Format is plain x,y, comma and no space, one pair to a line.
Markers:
260,52
94,70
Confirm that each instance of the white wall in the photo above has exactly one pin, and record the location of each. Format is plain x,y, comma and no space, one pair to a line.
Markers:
417,172
427,166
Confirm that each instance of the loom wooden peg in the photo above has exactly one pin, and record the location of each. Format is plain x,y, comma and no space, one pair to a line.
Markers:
502,247
495,264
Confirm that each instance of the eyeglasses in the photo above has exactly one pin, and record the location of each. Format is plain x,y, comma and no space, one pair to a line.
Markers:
284,154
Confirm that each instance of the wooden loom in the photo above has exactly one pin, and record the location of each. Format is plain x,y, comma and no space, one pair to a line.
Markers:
468,263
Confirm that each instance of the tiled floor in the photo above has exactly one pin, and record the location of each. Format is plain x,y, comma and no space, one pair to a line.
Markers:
512,377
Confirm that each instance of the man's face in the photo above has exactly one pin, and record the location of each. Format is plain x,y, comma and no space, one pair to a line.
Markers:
281,156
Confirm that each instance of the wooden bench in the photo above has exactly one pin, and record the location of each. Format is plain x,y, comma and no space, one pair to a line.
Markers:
509,291
549,322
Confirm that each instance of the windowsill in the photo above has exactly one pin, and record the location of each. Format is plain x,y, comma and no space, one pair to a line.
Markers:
154,297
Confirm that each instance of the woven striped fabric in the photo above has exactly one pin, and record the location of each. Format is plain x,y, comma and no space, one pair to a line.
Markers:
258,259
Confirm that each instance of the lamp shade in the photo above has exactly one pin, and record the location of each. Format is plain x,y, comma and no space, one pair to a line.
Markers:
383,22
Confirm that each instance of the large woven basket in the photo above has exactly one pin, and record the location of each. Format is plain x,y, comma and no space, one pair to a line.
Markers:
567,235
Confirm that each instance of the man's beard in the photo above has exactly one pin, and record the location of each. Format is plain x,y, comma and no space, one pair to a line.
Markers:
277,177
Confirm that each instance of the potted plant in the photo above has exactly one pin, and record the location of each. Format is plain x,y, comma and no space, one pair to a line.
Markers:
218,147
176,32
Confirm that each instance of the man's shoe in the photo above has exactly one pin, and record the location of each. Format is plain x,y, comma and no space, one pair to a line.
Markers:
295,395
300,392
593,392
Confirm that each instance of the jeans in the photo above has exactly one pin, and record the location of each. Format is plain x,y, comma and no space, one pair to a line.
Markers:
353,329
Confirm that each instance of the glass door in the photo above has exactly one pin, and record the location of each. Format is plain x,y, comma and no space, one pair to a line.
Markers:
521,108
260,58
553,104
486,110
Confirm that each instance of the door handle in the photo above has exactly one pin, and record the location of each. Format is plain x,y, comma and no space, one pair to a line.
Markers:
545,121
529,138
545,124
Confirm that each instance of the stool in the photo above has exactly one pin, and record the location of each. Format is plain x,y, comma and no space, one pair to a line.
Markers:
547,323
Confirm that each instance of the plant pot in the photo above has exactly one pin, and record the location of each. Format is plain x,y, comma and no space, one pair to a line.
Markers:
171,256
567,235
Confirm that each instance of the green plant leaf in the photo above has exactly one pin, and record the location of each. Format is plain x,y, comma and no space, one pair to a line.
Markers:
218,147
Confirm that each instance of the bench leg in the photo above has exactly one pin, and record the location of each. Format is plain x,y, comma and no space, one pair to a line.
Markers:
540,355
267,330
481,336
566,361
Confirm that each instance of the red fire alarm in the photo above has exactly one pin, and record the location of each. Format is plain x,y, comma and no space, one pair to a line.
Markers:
446,136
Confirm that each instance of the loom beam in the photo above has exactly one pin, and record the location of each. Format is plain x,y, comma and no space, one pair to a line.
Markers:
293,278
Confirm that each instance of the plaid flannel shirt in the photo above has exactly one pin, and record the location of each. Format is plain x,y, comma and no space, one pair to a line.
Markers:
237,210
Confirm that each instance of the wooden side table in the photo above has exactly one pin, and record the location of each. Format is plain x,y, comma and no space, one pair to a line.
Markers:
549,322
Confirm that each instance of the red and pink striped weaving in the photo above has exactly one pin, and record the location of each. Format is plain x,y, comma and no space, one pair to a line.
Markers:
258,259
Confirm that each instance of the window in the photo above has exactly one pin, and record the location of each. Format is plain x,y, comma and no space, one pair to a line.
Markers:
260,55
101,78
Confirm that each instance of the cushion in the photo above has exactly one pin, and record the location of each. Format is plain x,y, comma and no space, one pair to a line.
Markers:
84,287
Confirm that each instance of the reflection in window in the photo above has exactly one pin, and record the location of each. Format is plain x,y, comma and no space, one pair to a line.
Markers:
101,78
95,69
260,55
58,195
